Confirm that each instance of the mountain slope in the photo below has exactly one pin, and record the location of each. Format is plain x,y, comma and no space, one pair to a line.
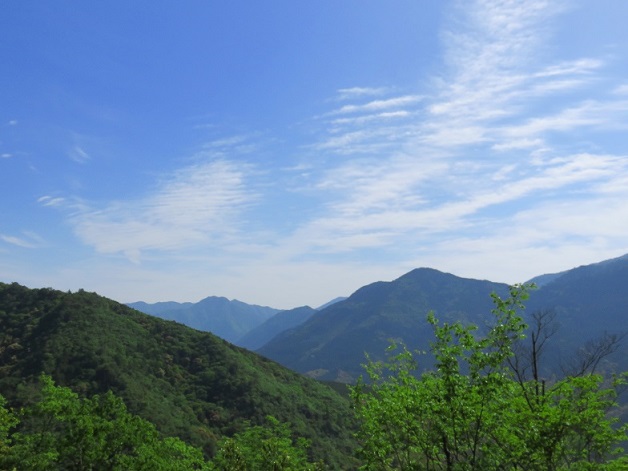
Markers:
280,322
189,383
227,319
329,303
588,301
331,345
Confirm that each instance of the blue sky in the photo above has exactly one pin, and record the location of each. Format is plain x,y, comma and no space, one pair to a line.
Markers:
285,153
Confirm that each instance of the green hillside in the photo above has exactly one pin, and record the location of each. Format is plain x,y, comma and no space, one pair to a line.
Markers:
191,384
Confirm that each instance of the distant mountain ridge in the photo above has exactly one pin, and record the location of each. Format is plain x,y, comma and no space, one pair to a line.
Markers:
333,301
280,322
542,280
331,345
246,325
227,319
155,309
588,300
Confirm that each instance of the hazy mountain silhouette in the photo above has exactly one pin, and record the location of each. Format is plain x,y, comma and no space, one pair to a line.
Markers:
280,322
227,319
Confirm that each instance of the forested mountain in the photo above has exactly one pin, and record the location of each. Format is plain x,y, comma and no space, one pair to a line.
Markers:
280,322
587,301
332,343
191,384
227,319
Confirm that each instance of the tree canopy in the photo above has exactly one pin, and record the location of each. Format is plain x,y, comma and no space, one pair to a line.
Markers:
474,412
190,384
63,431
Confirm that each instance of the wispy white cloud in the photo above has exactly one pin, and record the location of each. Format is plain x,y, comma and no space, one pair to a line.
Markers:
371,140
28,240
374,127
358,92
78,155
585,66
48,200
495,75
372,117
589,114
621,89
379,105
196,205
494,137
400,210
236,144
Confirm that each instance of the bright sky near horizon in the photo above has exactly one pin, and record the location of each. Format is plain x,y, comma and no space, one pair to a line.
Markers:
284,153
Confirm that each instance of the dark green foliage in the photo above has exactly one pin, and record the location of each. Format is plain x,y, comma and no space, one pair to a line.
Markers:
473,413
8,421
62,431
188,383
267,448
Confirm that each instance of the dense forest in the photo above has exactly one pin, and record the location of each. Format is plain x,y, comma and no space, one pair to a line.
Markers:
88,383
190,384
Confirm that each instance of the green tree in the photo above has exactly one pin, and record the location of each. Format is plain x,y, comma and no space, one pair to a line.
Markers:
472,412
63,431
8,420
264,448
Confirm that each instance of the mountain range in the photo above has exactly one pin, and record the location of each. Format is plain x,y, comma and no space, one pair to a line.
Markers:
190,384
330,343
246,325
227,319
586,303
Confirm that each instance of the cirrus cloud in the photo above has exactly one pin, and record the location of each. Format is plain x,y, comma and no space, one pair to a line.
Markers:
196,205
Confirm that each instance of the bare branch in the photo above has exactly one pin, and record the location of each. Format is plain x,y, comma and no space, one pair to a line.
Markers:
528,352
588,358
